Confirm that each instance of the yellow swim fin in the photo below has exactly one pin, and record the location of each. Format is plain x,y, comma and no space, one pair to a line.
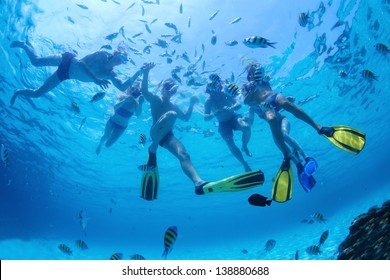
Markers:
234,183
345,137
149,184
283,183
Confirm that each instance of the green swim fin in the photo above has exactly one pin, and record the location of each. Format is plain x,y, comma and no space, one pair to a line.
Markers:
345,137
234,183
283,183
149,184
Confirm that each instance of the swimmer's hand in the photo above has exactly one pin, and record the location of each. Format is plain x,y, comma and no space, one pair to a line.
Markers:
194,100
148,66
103,83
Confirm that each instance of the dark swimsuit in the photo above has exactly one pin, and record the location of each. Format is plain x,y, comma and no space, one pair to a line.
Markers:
63,68
167,136
123,113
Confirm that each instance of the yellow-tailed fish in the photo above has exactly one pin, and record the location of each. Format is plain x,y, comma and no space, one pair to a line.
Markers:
75,107
259,74
258,42
65,249
232,90
4,155
116,256
98,96
318,217
313,250
137,257
81,244
367,74
142,139
169,240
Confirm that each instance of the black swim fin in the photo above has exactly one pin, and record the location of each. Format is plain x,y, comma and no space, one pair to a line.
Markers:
283,183
234,183
345,137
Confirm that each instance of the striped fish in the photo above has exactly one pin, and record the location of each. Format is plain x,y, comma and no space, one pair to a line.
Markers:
313,250
169,240
137,257
98,96
4,155
116,256
318,217
367,74
259,74
232,90
303,19
81,244
215,78
65,249
142,139
258,42
75,107
269,245
323,238
382,48
343,74
296,257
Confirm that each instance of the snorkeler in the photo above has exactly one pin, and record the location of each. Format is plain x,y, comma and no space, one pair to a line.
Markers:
224,107
128,105
96,67
259,93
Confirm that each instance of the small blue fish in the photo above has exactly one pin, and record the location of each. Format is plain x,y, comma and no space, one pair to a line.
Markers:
143,10
70,19
130,6
231,43
303,19
65,249
214,15
258,42
82,122
235,20
162,43
169,60
181,8
213,38
147,28
75,107
107,47
112,36
296,255
98,96
136,35
172,26
153,21
189,22
116,2
269,245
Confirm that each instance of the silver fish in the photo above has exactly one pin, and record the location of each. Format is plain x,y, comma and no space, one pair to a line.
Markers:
213,38
143,10
235,20
130,6
231,43
147,28
112,36
189,22
138,34
4,155
181,8
214,15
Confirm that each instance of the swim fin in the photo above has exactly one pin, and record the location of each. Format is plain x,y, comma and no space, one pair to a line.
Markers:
345,137
283,183
307,181
149,184
234,183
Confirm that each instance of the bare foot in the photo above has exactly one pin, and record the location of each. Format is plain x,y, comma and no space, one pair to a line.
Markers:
246,151
13,98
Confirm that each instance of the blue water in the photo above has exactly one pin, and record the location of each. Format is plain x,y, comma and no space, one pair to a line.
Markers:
54,173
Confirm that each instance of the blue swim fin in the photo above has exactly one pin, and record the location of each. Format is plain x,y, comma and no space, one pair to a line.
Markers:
307,181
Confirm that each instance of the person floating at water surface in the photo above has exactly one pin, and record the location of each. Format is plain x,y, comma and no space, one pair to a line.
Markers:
224,107
97,67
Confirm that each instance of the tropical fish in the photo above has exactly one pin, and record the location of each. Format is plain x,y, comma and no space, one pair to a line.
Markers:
81,244
189,22
169,240
137,257
202,47
98,96
296,257
343,74
75,107
214,78
313,250
213,38
186,57
259,200
382,48
4,155
232,90
303,19
235,20
367,74
65,249
181,8
147,49
147,28
231,43
258,42
82,122
177,38
70,19
136,35
116,2
153,21
142,139
169,60
107,47
214,15
172,26
318,217
269,245
116,256
323,238
232,78
143,10
259,74
162,43
82,6
244,251
203,65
